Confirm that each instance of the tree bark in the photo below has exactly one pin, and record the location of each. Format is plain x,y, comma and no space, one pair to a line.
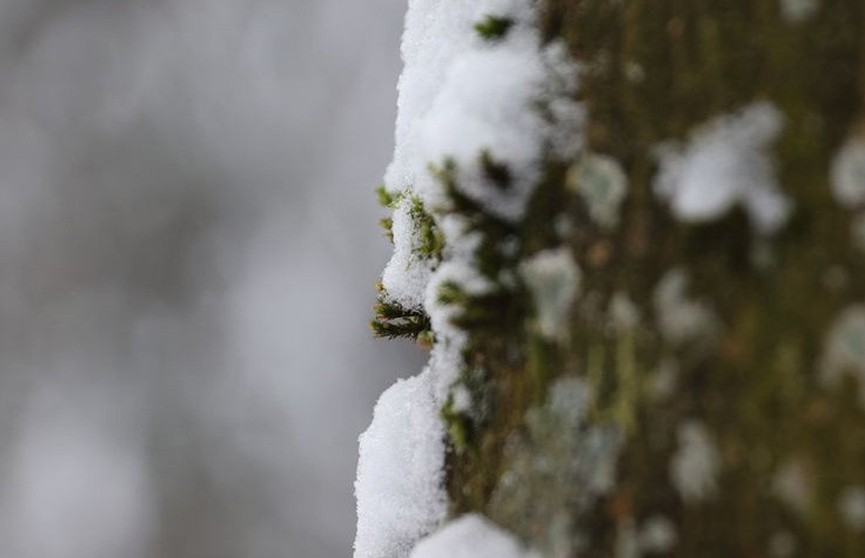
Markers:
706,395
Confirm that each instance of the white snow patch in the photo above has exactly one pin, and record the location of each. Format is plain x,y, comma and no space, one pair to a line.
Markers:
406,275
726,163
446,358
847,173
471,536
461,95
400,495
553,278
696,464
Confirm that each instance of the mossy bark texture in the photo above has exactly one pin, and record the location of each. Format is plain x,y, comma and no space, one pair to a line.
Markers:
639,382
730,438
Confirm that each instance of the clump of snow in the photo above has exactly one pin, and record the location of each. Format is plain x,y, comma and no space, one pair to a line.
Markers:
680,318
797,11
695,466
726,163
851,506
602,184
446,358
848,173
407,273
553,278
461,96
399,487
844,350
471,536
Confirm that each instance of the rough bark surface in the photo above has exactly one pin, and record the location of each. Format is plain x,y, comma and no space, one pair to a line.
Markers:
776,435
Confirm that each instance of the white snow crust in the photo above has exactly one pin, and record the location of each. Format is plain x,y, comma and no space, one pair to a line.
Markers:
461,95
399,475
471,536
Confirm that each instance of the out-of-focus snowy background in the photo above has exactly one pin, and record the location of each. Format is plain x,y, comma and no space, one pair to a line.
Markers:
187,256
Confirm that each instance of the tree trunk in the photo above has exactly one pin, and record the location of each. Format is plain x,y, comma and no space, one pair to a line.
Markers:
680,367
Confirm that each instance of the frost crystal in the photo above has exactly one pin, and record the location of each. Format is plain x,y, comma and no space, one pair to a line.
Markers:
726,163
848,174
399,489
471,536
696,464
845,349
553,278
602,184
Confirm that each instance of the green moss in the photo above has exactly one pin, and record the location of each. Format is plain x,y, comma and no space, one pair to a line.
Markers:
391,320
493,27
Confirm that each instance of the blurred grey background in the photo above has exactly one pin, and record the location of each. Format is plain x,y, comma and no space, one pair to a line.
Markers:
188,247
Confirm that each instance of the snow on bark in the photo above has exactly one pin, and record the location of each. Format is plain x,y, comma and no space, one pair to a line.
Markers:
471,536
474,76
399,475
727,163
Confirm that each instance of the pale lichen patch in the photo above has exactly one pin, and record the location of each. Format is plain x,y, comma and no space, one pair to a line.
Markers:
602,185
562,459
695,466
782,545
851,506
791,485
658,535
680,318
553,279
798,11
857,231
844,352
848,173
